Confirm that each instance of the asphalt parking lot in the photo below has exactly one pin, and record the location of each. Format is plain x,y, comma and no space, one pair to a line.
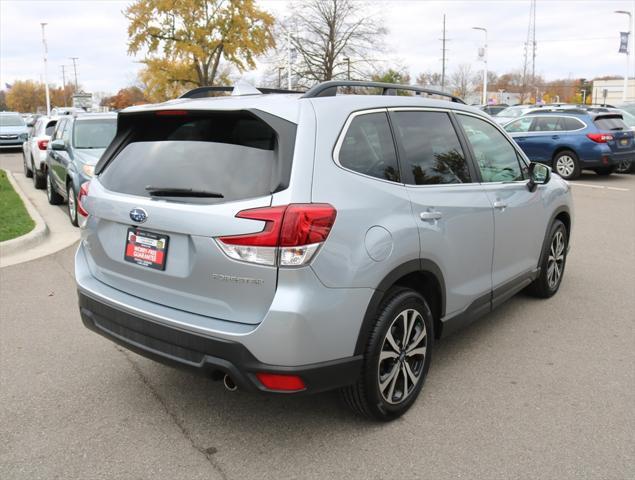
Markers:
538,389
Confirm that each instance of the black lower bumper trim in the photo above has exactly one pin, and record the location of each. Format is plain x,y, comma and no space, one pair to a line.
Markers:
204,354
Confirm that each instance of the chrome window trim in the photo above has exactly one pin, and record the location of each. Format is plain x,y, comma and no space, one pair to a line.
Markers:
584,125
342,135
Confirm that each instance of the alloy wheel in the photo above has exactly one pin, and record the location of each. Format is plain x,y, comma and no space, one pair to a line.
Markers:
72,205
402,356
565,165
623,166
555,262
49,188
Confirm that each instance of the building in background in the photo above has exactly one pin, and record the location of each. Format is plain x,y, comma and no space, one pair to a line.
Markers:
613,90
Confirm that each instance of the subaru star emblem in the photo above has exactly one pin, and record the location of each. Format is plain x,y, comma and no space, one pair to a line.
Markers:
138,215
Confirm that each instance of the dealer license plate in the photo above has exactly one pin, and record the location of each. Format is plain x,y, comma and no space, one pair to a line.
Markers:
147,249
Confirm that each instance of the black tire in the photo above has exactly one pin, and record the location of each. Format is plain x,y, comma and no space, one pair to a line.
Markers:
543,287
365,397
604,171
561,159
28,173
39,180
72,204
53,196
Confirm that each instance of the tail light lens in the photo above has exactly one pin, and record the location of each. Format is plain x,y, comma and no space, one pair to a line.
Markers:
600,137
81,197
42,144
291,236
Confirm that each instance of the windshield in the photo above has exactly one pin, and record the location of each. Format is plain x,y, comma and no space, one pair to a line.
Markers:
510,112
11,121
94,133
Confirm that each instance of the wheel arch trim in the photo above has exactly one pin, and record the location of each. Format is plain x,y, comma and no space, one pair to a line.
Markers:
419,265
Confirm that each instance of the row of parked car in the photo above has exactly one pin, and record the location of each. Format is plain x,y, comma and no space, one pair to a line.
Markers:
59,152
572,138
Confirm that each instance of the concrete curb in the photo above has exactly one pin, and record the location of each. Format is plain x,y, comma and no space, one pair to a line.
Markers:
35,236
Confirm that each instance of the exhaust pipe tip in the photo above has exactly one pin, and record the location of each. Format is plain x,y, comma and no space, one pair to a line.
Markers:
229,383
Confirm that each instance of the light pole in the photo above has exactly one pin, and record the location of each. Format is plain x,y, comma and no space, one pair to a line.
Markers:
482,29
46,83
624,12
500,95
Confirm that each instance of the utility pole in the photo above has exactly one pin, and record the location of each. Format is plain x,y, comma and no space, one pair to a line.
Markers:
280,69
46,83
533,43
288,59
348,67
443,58
63,67
74,59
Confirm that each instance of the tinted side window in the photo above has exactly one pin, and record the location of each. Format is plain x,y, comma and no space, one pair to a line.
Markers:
495,156
66,133
546,124
368,147
520,125
432,153
572,123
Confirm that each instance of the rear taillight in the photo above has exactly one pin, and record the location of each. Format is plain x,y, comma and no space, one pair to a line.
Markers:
600,137
42,144
81,197
290,237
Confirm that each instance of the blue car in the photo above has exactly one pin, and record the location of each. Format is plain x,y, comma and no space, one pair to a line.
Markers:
13,130
574,140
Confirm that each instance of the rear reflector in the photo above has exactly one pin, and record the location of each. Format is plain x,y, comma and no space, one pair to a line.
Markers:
287,383
291,234
600,137
42,144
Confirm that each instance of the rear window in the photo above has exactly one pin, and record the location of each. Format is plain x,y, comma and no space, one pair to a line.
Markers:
236,155
614,122
50,128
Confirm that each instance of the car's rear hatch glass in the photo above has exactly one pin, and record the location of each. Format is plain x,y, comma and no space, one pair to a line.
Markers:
189,174
621,133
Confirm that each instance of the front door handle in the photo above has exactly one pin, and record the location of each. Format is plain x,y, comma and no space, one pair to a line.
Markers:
500,205
430,215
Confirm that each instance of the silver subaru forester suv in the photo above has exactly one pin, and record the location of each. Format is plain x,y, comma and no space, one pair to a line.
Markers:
296,243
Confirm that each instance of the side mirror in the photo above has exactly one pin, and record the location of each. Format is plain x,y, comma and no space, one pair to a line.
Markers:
539,174
30,123
58,145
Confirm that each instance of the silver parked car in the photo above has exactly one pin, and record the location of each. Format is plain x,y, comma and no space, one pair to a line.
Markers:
296,243
13,130
34,150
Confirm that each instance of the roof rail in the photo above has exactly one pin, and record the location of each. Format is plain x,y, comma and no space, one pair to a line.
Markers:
329,89
201,92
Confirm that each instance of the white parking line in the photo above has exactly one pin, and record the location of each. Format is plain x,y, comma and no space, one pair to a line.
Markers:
601,187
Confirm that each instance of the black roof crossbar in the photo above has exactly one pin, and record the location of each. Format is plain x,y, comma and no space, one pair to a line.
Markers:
201,92
329,89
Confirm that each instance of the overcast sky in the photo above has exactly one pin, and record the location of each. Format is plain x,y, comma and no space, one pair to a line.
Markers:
575,38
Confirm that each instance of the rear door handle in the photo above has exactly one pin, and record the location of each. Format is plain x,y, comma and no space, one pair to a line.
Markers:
500,205
555,137
430,215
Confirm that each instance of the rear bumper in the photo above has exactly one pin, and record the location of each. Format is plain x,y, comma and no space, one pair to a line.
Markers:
206,355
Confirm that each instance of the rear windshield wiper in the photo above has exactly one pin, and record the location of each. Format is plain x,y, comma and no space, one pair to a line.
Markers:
181,192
